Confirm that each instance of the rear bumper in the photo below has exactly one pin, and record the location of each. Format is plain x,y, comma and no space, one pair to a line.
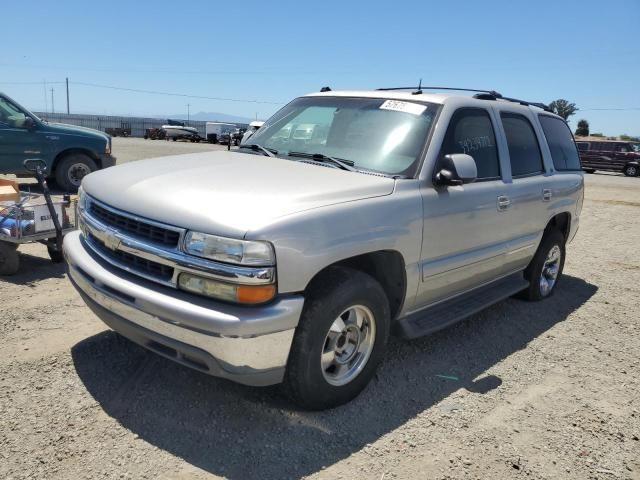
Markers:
249,345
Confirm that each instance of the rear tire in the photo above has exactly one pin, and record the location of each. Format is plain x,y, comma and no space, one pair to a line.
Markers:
72,169
630,171
9,259
545,269
340,340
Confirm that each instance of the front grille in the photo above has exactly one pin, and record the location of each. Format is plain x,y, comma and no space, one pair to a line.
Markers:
139,265
140,229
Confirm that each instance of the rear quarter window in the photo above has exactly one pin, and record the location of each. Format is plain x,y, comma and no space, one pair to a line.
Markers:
563,149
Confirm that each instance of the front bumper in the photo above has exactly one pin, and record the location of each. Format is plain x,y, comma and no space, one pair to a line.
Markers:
107,160
249,345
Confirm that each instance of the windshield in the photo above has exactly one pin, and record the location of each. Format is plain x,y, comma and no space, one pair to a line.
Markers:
374,133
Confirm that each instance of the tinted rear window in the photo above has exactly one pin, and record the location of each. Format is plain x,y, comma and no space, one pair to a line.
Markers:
563,150
524,151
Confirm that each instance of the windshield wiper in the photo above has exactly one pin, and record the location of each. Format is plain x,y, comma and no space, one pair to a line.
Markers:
321,157
269,152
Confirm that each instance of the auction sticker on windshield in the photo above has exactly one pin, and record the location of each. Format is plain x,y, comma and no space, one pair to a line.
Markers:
406,107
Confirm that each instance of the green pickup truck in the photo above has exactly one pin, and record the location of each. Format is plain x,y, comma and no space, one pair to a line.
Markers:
70,152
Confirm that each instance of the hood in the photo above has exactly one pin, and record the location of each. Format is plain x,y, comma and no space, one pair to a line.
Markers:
66,129
227,193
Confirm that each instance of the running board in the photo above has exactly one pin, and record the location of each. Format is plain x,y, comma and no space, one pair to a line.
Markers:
446,313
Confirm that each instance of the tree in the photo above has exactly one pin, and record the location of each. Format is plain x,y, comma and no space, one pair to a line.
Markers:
597,134
583,128
563,108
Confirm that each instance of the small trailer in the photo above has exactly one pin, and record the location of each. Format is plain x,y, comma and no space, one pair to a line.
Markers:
35,218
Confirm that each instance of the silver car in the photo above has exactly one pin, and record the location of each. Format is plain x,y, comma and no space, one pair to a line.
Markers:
348,217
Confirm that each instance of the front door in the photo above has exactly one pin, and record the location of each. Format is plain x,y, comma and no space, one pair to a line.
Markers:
464,236
17,141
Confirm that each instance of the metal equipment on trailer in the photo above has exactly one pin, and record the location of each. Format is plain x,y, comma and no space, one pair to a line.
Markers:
31,220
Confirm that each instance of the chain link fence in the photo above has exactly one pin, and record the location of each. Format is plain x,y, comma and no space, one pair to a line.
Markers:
135,125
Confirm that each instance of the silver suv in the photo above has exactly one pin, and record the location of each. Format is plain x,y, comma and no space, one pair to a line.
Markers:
348,217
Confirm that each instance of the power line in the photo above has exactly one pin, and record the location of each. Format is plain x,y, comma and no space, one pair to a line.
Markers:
172,94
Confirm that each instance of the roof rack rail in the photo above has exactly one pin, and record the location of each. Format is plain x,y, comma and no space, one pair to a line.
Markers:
491,96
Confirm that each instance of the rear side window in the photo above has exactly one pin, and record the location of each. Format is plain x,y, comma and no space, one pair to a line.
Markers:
470,131
582,146
524,150
563,150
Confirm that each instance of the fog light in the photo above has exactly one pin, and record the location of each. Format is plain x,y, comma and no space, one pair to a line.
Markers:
224,291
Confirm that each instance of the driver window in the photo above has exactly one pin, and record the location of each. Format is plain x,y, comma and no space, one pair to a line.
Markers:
11,116
470,131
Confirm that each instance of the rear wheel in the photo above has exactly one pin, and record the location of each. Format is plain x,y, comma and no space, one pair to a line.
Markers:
72,169
630,170
9,258
546,267
340,339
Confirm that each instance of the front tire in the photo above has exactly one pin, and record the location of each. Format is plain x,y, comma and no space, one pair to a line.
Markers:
545,269
72,169
340,340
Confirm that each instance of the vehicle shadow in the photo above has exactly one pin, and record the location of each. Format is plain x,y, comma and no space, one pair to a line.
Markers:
34,268
252,433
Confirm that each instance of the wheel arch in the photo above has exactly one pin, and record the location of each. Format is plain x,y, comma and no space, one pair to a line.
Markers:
70,151
387,267
562,222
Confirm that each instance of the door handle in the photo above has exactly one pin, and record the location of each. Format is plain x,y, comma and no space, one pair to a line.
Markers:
546,195
503,203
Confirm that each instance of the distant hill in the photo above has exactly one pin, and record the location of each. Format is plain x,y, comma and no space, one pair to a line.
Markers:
212,117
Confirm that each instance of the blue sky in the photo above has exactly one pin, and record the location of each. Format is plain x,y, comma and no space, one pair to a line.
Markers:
586,52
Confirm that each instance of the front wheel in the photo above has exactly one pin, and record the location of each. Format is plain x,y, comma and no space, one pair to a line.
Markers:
340,339
72,169
630,171
546,267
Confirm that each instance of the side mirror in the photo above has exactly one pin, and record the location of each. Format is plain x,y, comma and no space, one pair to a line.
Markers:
457,169
29,123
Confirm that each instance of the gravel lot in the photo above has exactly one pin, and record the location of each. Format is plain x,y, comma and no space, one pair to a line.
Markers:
545,390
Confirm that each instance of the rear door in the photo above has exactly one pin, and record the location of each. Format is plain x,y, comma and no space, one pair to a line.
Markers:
527,190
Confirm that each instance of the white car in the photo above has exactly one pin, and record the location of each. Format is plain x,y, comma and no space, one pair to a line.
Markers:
253,128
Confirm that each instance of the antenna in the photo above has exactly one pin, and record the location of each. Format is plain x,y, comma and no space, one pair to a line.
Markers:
419,91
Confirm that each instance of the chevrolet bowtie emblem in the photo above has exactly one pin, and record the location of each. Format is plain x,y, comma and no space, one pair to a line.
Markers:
110,240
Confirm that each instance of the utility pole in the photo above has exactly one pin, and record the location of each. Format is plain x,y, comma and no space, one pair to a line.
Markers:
188,113
46,102
52,109
67,79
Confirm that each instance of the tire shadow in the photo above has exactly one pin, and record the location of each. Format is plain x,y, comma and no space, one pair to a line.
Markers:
254,433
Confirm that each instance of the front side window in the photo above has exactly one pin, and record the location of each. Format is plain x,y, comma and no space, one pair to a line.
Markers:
560,141
524,151
10,115
377,134
623,148
470,131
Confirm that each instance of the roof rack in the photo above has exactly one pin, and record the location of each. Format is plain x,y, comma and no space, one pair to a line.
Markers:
479,94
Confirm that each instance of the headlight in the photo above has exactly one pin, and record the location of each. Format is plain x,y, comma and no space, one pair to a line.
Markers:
82,199
239,252
248,294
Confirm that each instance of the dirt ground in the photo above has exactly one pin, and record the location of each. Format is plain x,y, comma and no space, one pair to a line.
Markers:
543,390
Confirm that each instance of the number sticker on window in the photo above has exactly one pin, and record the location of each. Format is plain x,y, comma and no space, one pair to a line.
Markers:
406,107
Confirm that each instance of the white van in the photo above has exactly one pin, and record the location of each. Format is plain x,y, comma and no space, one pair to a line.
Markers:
214,130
